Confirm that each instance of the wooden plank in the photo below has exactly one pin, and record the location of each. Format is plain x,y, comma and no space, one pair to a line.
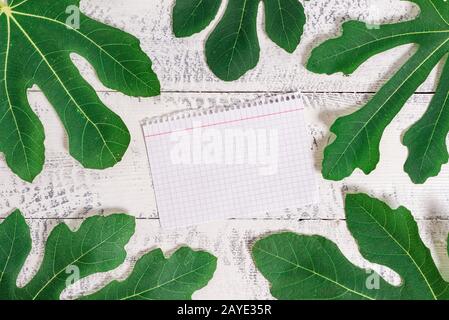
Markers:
236,276
181,66
65,189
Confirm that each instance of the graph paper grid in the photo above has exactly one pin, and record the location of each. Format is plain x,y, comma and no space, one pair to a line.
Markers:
231,162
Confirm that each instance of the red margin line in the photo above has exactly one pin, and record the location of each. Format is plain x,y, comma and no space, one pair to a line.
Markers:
224,122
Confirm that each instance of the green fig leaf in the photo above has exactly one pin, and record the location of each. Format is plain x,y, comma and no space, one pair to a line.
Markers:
358,135
313,267
233,47
156,278
97,246
38,37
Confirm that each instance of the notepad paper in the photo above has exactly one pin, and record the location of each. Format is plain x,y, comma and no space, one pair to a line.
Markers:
231,162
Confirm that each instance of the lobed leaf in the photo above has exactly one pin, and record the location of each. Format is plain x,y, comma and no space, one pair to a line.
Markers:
192,16
312,267
156,278
97,246
233,47
39,36
426,139
358,135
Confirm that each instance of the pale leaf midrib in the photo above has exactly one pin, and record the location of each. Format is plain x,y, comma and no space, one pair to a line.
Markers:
10,251
64,87
283,23
438,12
429,142
237,37
315,273
333,56
192,13
80,257
89,39
19,4
8,98
167,282
399,87
404,250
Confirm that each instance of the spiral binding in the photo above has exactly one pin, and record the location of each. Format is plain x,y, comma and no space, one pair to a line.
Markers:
186,114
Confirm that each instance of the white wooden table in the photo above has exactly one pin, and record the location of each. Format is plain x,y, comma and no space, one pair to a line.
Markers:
67,192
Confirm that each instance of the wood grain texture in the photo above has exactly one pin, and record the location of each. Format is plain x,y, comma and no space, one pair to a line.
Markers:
236,276
181,66
67,191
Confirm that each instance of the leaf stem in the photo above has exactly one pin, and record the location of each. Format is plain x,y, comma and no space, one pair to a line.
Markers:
4,8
